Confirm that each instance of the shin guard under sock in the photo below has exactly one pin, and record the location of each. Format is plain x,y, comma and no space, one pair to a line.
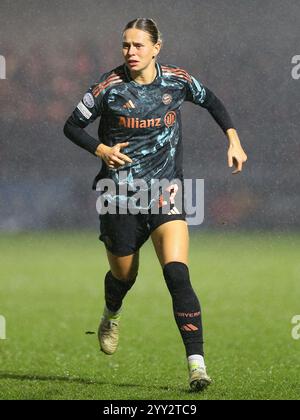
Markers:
186,306
115,291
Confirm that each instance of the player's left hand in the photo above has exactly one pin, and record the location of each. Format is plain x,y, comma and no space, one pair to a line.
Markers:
236,154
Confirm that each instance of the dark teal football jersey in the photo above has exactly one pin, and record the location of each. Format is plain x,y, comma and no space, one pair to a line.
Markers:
146,116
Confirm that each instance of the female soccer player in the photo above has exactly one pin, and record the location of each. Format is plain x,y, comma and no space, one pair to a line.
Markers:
140,140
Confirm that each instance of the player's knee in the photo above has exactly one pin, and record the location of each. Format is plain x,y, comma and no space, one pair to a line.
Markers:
125,276
119,283
124,269
177,276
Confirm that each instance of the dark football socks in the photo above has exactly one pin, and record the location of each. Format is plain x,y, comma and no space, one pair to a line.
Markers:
186,307
115,291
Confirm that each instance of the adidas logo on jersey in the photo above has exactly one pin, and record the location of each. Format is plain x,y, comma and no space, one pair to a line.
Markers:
129,105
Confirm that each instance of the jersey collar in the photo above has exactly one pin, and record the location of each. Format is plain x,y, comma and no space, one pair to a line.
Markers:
129,78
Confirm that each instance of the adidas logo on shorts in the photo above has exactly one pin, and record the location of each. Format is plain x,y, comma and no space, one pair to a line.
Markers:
174,211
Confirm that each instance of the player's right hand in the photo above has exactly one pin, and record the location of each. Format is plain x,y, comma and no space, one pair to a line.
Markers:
112,156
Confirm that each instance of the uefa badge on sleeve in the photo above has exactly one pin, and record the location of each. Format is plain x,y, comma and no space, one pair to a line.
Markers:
88,100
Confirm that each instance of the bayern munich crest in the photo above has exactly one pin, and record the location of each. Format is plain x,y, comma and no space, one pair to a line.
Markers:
167,99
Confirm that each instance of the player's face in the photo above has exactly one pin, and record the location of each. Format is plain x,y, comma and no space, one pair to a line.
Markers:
138,49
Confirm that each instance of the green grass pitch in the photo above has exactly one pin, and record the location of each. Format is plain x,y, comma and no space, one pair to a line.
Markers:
51,294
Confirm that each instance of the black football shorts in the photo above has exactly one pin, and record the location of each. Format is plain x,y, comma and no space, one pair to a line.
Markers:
124,234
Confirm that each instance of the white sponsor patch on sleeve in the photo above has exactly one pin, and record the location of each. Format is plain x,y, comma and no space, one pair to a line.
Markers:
83,109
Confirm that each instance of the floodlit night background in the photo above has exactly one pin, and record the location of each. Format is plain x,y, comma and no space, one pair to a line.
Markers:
244,258
241,50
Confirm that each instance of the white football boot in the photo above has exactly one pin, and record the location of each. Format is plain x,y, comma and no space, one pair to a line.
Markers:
199,380
108,333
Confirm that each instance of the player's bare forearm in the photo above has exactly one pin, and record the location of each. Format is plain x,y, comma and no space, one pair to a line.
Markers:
236,154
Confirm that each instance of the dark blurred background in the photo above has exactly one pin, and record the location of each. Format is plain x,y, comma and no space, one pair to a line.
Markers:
242,50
